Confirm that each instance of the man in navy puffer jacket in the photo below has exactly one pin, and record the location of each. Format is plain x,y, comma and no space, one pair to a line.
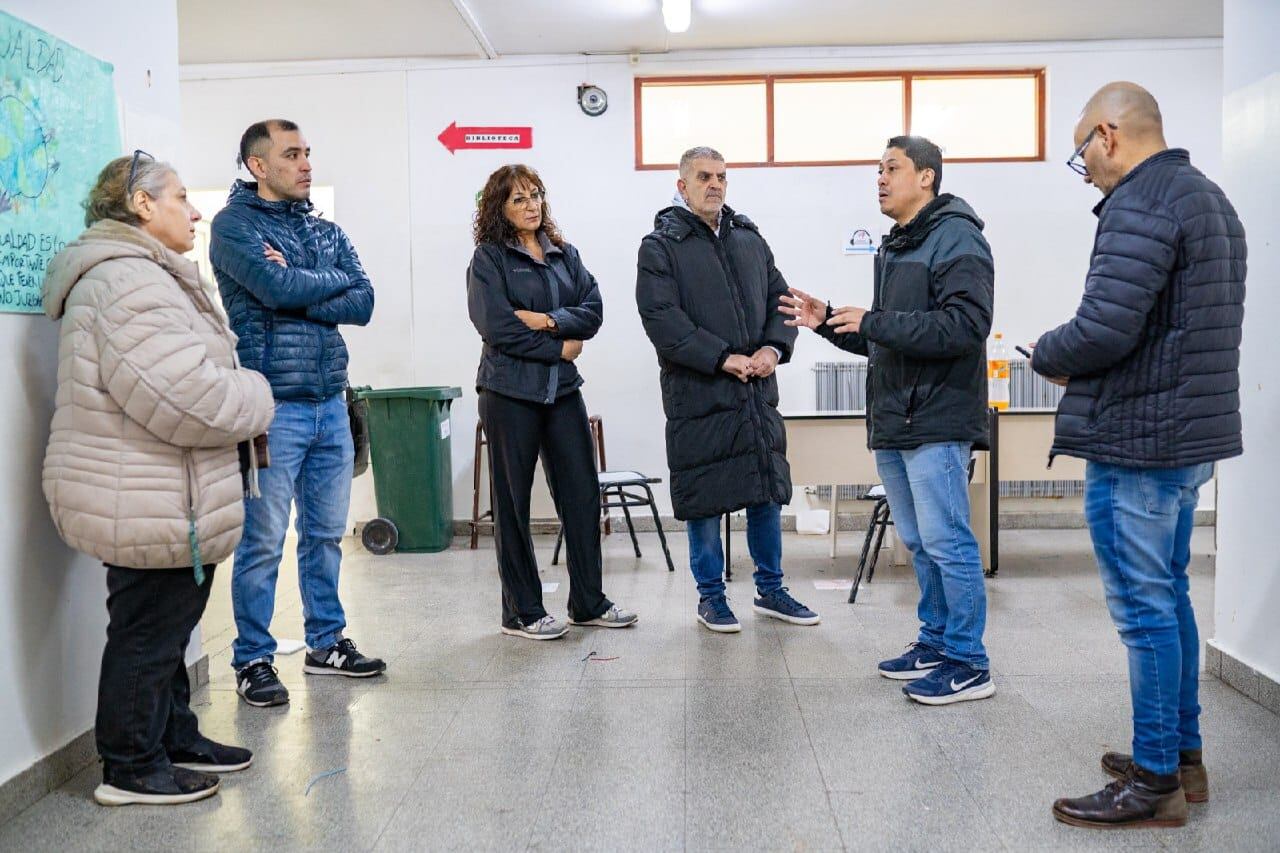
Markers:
288,279
1150,362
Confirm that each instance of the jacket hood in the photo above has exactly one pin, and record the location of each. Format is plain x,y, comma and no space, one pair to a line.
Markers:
677,221
933,214
246,193
105,241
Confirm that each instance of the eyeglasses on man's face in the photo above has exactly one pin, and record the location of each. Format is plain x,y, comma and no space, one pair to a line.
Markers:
1076,161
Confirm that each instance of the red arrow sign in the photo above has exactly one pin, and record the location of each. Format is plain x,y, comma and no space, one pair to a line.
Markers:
455,137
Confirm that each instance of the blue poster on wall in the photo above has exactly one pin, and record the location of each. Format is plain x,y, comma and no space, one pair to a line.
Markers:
58,129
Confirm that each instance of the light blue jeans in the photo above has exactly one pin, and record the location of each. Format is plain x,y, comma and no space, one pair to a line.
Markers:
764,542
311,463
928,491
1141,521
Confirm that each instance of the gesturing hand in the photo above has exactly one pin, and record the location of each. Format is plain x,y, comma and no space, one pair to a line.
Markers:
570,350
739,366
273,255
847,319
764,362
535,320
803,309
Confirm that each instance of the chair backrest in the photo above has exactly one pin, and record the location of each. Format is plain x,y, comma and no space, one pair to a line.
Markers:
596,425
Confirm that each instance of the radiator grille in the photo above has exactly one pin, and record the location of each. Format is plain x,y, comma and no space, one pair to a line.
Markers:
842,386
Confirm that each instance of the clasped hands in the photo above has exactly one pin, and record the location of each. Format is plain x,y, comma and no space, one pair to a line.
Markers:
756,366
540,322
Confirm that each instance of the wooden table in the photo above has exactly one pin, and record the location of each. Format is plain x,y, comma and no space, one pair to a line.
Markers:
830,448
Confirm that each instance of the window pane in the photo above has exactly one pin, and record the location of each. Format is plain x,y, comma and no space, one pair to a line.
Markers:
730,117
977,116
817,120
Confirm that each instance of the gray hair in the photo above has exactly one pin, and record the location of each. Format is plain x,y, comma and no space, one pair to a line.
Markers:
700,152
112,194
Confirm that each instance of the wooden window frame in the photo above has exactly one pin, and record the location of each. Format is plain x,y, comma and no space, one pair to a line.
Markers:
907,78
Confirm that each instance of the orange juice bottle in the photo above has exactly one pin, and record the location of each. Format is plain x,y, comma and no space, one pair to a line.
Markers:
998,374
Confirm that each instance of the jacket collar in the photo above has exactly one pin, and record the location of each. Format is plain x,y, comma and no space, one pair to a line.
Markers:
1169,155
246,192
548,248
107,240
945,206
678,222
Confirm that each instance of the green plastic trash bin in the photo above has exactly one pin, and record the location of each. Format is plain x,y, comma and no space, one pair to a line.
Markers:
412,468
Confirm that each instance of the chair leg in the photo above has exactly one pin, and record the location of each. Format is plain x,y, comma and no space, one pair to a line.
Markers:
657,523
835,518
555,555
875,550
631,528
475,489
866,549
728,547
596,424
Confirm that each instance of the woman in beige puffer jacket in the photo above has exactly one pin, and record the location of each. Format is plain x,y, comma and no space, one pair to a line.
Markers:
142,469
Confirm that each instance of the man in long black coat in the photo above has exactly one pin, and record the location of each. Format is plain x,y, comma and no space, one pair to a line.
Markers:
708,293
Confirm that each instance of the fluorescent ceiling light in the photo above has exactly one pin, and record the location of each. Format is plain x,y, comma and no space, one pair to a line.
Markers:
676,14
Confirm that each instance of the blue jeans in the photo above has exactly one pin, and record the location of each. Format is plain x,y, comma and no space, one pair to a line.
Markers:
928,491
764,541
1140,520
311,461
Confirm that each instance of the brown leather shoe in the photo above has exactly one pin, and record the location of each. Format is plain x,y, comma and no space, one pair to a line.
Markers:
1195,779
1140,800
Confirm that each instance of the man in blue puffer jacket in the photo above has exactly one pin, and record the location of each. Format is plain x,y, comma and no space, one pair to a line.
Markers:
1150,362
288,279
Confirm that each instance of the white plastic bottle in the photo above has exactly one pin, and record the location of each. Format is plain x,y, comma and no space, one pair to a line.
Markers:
998,374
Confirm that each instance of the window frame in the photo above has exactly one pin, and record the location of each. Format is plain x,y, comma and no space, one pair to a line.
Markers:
907,78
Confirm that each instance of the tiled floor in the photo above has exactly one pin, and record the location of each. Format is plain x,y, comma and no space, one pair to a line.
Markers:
779,738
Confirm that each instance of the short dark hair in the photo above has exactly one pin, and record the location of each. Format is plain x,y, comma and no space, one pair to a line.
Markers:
923,154
251,142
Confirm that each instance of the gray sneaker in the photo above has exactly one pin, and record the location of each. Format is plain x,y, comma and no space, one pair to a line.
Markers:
614,617
546,628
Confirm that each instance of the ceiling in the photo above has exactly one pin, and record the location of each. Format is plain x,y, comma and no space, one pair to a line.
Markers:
216,31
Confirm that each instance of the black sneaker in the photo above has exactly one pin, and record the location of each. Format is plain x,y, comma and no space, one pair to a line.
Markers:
168,786
210,756
342,658
259,685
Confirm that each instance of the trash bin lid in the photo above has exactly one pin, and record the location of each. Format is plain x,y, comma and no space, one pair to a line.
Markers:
425,392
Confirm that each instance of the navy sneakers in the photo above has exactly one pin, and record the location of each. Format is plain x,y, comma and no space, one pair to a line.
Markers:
259,685
916,662
951,682
780,605
716,615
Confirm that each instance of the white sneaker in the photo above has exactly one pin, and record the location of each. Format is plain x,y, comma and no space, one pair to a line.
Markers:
614,617
546,628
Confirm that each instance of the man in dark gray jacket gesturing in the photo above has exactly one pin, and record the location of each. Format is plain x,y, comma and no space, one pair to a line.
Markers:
925,337
708,292
1150,362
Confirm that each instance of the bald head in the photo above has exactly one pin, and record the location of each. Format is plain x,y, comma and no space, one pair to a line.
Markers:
1129,107
1119,128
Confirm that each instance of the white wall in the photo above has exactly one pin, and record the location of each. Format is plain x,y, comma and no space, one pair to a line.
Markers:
52,600
1038,215
1247,585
